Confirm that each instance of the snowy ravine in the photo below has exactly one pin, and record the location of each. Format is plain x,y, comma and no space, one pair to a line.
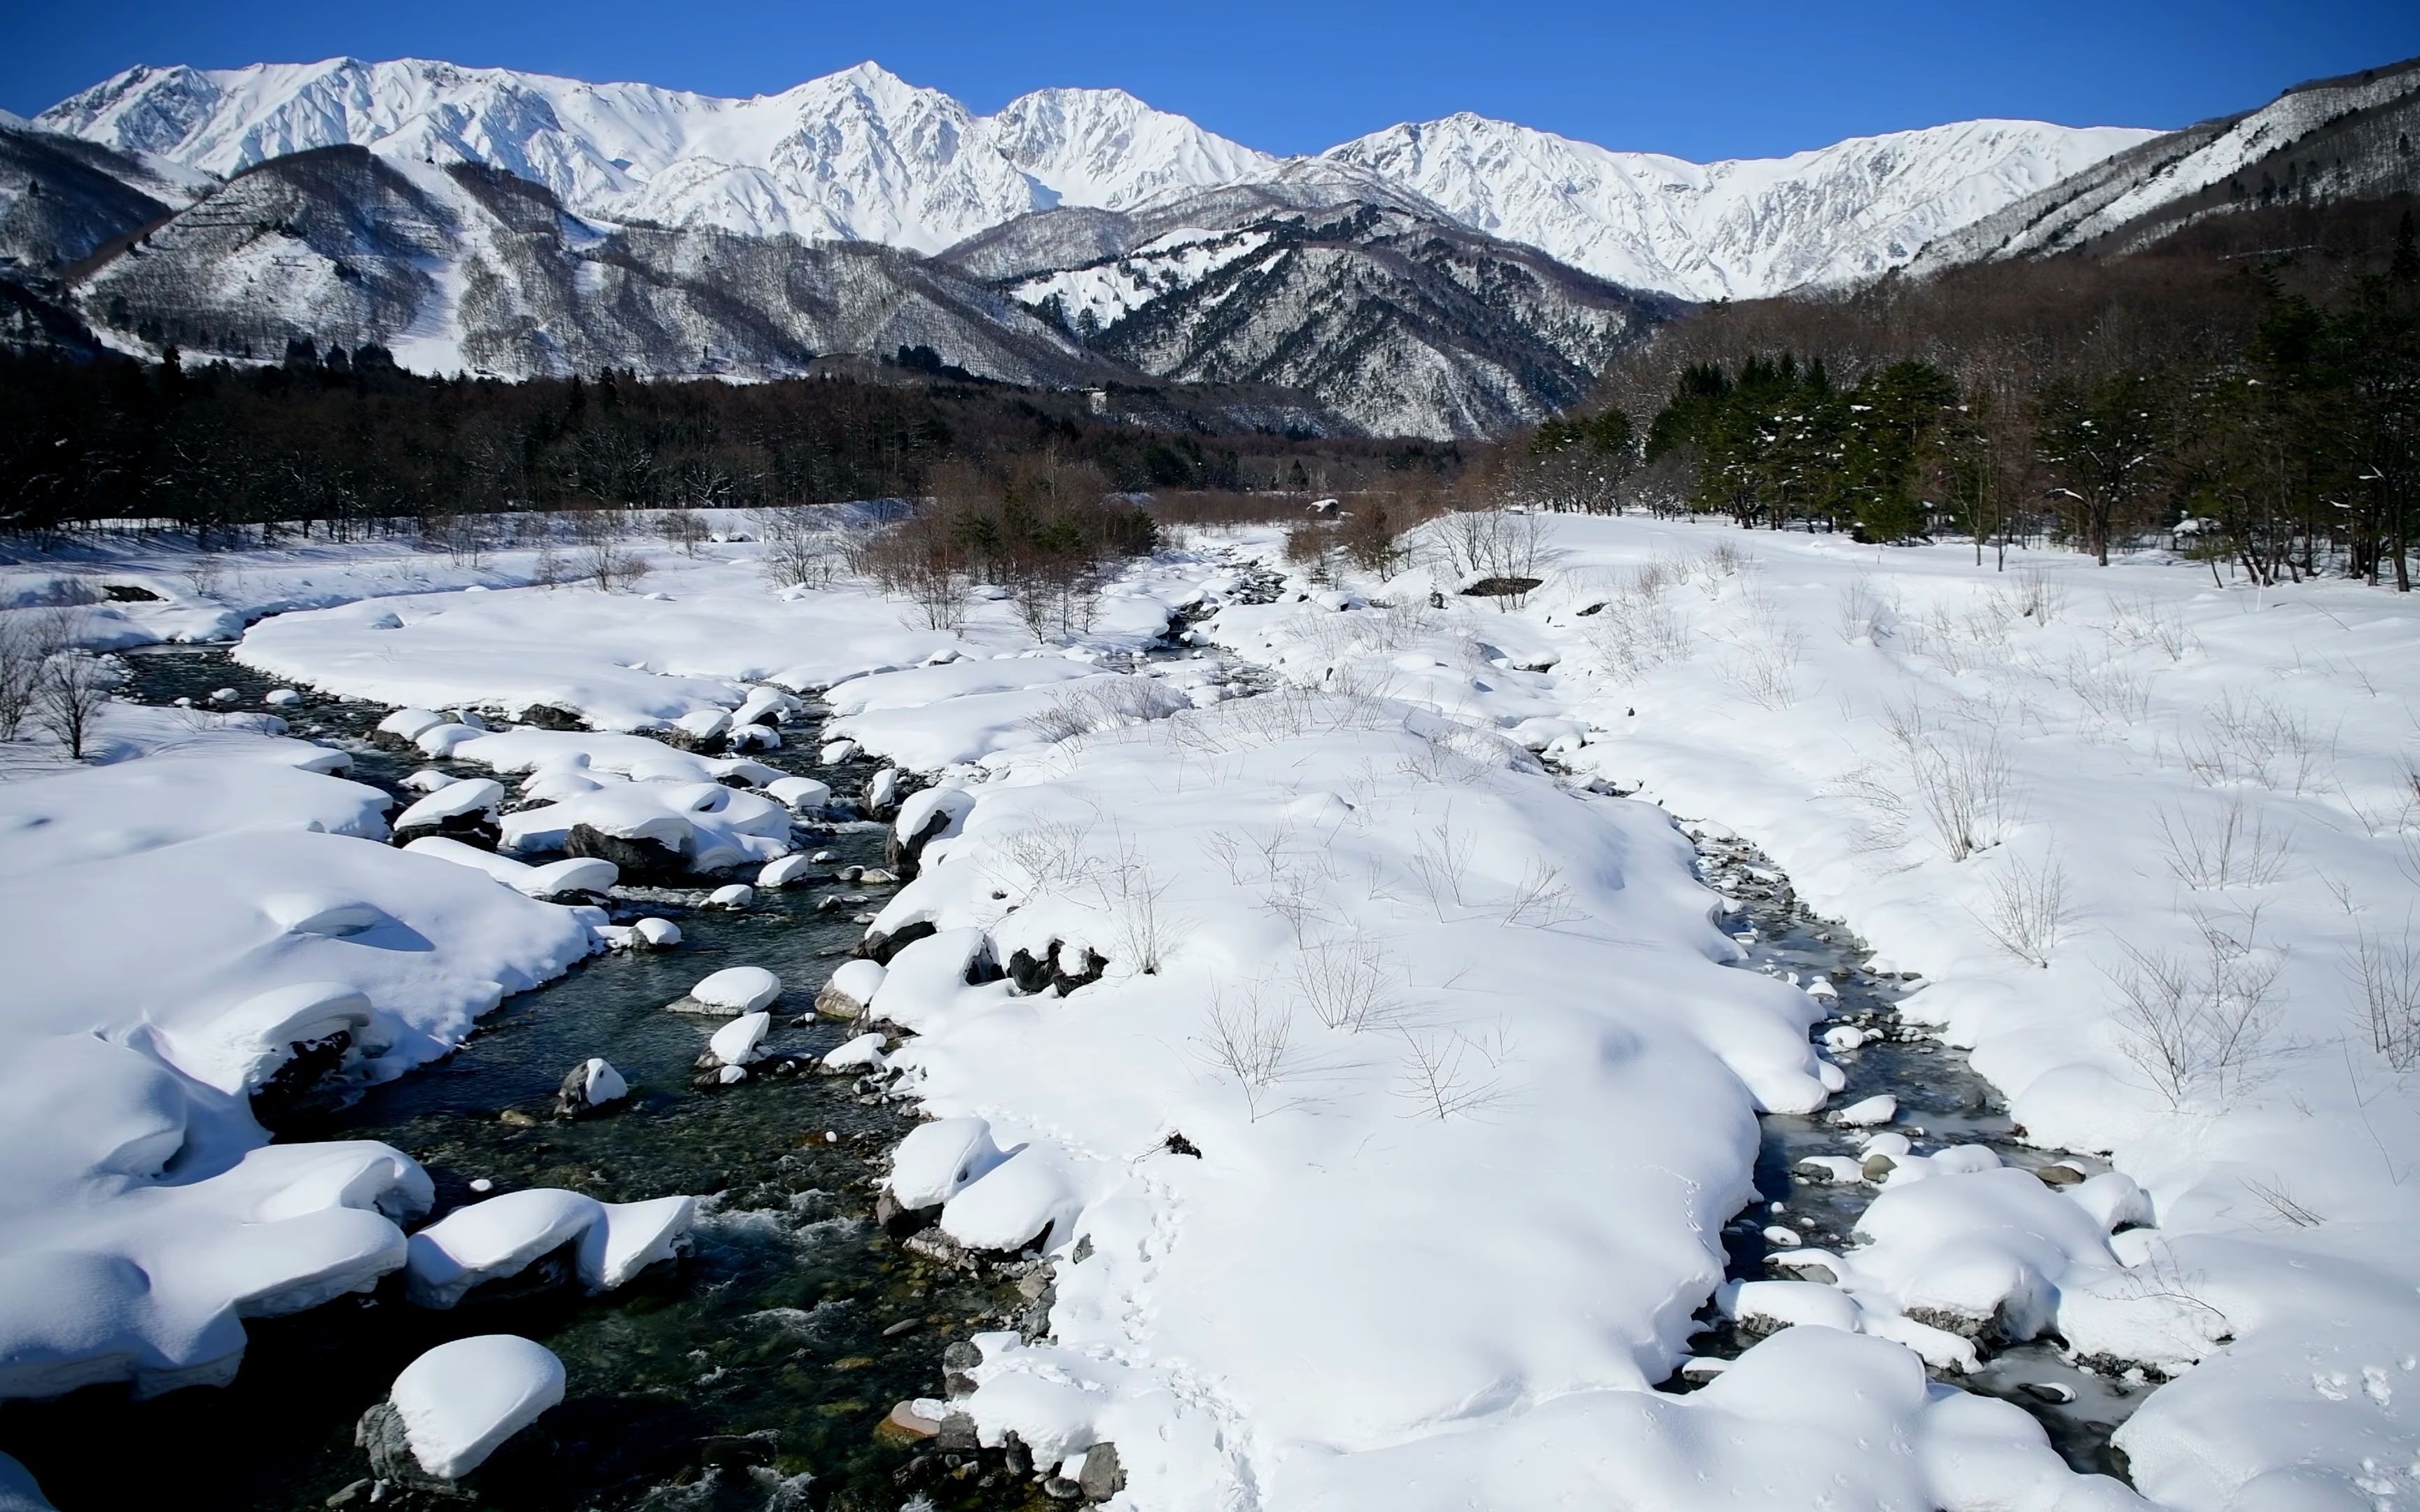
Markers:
1386,1162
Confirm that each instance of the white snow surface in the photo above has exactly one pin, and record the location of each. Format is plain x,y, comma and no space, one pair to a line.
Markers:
1463,1048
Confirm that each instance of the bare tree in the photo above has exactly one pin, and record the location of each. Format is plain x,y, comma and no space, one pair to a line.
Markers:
68,696
25,649
683,529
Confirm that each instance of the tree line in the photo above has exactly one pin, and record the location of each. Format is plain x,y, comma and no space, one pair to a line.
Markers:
2262,410
341,441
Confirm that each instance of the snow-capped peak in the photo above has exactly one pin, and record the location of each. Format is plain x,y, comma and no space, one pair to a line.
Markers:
863,154
1729,230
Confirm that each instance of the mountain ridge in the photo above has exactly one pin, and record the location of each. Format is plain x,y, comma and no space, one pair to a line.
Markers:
863,155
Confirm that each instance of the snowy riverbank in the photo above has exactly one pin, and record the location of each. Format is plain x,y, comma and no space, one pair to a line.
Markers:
1387,1161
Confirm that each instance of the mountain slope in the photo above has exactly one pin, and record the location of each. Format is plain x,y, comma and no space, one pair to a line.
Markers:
471,267
2333,139
1396,316
62,197
859,155
1735,229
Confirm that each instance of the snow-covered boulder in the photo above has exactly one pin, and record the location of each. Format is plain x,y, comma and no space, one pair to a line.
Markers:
492,1241
850,989
864,1053
939,1160
801,793
738,1043
458,1403
836,751
730,895
281,698
1870,1112
498,1238
702,729
574,876
1021,1200
428,779
240,1050
737,990
657,830
465,809
785,872
927,975
589,1086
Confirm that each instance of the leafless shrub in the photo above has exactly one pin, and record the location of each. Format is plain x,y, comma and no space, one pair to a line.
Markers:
27,640
1247,1035
1077,710
2117,695
2255,740
69,695
2031,593
2279,1198
1131,894
1344,981
1509,545
2144,620
1448,1072
939,595
1441,864
685,530
612,566
2386,968
2228,846
1960,775
2201,1024
1887,820
798,548
204,573
1637,628
1869,609
1051,857
1541,901
2025,909
1764,667
547,568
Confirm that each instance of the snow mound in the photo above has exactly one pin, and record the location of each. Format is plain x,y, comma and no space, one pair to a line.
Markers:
461,1400
737,989
940,1159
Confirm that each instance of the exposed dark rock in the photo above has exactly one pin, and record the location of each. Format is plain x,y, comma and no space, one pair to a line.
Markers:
881,948
470,828
902,856
1500,587
549,717
381,1433
957,1362
639,861
129,594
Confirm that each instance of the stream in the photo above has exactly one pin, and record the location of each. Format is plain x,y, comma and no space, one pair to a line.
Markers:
1942,1103
753,1374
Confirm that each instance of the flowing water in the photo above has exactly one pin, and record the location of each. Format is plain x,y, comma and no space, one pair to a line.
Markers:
1941,1102
755,1373
769,1355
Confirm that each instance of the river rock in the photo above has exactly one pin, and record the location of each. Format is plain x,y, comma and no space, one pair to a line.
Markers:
637,861
454,1406
1103,1476
588,1087
850,989
880,948
736,990
464,810
733,897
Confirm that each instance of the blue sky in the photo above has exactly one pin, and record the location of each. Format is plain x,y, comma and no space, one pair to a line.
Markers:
1700,80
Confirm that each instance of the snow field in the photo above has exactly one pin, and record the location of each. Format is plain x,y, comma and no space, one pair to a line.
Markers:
2150,840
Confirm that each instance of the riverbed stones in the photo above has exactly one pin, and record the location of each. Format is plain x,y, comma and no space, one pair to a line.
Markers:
592,1084
850,989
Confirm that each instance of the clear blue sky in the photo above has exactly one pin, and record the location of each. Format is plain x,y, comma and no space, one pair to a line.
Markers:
1700,80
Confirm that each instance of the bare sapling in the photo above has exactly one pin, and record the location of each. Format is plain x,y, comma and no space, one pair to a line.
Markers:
1247,1036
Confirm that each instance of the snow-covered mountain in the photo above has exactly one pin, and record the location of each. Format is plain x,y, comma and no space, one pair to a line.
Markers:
1738,229
859,155
2331,139
862,155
